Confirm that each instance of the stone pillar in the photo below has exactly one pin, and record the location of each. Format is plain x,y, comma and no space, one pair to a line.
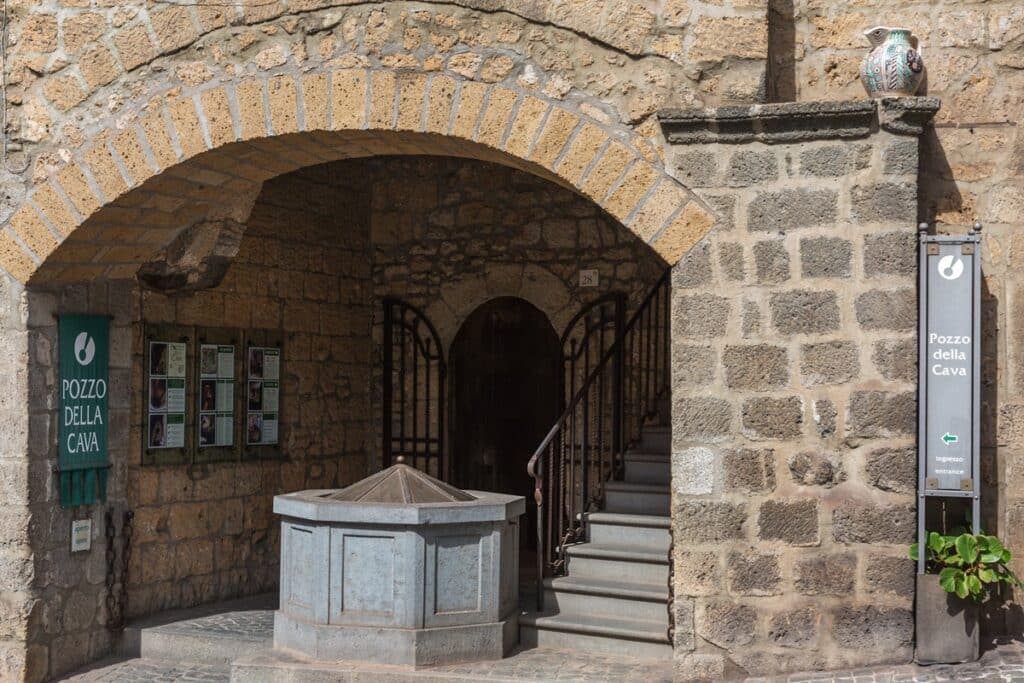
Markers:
794,404
18,607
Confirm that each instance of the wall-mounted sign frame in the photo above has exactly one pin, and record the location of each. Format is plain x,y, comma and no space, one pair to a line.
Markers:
217,402
83,459
949,373
263,368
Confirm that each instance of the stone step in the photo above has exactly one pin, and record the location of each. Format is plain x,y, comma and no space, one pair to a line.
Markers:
610,528
605,635
592,597
648,468
656,439
637,499
592,561
239,628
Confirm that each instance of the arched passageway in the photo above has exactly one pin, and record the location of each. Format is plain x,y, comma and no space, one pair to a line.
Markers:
506,393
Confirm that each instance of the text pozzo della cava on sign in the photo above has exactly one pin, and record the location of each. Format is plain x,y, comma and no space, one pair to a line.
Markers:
946,355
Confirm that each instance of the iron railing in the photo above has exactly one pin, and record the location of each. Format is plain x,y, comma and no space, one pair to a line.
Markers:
414,389
617,393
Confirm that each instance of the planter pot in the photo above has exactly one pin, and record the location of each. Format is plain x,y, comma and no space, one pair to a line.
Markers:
947,627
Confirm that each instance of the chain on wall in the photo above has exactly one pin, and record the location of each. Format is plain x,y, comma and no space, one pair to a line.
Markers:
117,572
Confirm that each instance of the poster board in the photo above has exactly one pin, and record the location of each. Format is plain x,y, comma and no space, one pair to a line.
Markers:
215,399
262,399
167,378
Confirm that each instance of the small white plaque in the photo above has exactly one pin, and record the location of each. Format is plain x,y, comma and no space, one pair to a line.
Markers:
81,535
589,278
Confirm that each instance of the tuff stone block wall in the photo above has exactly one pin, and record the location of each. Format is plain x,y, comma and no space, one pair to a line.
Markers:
971,168
794,405
450,234
84,72
203,531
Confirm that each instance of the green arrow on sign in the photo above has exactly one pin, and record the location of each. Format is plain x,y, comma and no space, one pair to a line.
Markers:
950,439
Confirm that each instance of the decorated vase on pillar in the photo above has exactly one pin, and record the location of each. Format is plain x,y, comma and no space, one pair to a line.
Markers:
894,67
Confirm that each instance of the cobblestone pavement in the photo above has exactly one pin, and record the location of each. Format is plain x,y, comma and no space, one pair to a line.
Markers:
1005,663
249,624
251,621
150,671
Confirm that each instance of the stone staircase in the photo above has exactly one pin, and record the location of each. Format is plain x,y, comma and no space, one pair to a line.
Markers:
614,598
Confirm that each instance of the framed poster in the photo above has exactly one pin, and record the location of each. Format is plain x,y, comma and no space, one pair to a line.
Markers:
216,395
165,394
262,395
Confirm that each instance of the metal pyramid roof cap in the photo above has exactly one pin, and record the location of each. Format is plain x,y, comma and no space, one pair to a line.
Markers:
401,484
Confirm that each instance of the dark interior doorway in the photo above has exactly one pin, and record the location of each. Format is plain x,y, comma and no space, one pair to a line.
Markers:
506,385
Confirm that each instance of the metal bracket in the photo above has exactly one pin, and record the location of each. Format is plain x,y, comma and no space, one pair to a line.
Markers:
933,249
933,483
967,249
966,484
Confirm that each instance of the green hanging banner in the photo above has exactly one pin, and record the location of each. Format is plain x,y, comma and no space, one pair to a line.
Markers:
84,415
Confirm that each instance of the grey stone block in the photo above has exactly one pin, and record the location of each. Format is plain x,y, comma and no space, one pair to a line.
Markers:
758,367
692,365
771,262
793,208
700,316
854,522
900,157
811,468
830,161
791,521
751,318
889,574
784,122
884,202
834,362
826,575
892,469
896,359
881,309
890,253
697,168
726,624
749,470
882,413
753,574
730,261
696,572
805,311
873,628
798,628
701,417
825,257
773,418
748,167
825,418
694,269
724,206
706,521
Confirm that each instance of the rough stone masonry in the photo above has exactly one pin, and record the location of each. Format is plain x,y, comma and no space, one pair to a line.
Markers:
149,135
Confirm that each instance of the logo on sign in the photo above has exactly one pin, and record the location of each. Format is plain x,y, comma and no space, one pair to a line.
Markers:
950,267
85,349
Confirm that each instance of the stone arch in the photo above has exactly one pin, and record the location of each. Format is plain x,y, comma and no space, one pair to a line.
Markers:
126,193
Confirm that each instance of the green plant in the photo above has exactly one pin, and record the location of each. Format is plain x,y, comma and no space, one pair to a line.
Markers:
968,565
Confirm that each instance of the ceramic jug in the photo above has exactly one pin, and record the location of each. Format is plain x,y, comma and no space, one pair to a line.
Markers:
894,66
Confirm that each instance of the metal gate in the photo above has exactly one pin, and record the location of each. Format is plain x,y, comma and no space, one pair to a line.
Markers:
414,389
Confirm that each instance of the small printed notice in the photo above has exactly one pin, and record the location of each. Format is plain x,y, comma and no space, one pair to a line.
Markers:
81,535
263,395
216,395
166,424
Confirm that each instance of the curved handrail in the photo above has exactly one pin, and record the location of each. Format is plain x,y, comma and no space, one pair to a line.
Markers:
584,449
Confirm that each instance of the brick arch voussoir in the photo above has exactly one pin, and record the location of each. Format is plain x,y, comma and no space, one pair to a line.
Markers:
192,149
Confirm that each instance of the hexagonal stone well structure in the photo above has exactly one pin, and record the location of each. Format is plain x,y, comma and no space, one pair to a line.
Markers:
399,568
